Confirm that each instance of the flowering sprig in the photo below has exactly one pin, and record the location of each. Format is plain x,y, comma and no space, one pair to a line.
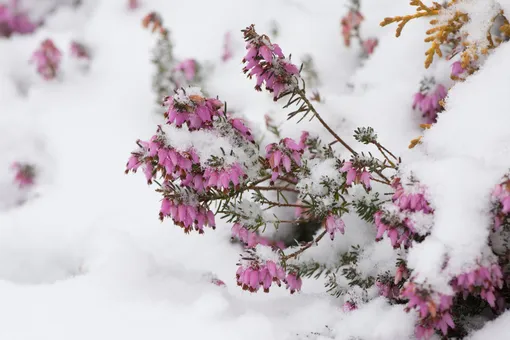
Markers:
501,201
47,57
254,273
398,217
170,74
195,178
428,100
434,310
482,281
267,63
351,24
14,21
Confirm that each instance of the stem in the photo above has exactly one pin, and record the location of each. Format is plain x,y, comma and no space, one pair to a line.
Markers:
276,204
302,95
383,182
384,154
388,151
219,197
287,179
272,188
285,221
300,251
340,140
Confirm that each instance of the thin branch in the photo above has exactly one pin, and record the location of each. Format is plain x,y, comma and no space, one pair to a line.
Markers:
308,245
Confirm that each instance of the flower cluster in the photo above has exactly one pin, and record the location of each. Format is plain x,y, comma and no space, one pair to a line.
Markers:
351,24
483,281
170,73
191,109
396,218
457,70
390,286
203,157
369,45
25,174
14,21
251,239
334,224
433,310
428,99
501,195
283,156
267,63
187,214
356,175
47,58
254,274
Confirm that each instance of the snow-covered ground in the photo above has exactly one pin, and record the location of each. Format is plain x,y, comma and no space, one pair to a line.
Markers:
86,256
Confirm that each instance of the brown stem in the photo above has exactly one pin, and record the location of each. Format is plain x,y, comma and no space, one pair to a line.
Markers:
272,188
308,245
276,204
383,182
285,221
316,114
340,140
388,151
288,180
384,154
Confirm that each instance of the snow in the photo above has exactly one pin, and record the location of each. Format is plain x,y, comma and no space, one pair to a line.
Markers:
86,256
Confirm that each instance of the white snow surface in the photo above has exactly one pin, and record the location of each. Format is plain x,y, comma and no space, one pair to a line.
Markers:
87,258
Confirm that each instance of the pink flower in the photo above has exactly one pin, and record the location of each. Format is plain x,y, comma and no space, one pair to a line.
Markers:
267,63
221,178
432,316
227,48
79,51
259,275
369,45
186,215
188,67
457,69
350,23
25,174
13,21
293,282
217,282
349,306
193,110
47,58
388,290
401,273
252,239
238,124
483,280
283,156
427,102
303,139
501,194
333,225
413,201
133,4
356,176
